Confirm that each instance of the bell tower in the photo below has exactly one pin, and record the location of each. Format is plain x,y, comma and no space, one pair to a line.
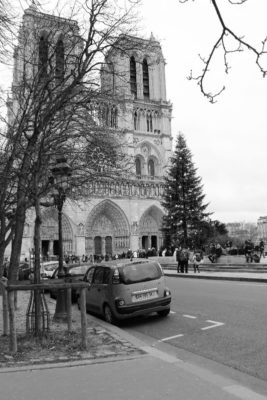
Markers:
135,76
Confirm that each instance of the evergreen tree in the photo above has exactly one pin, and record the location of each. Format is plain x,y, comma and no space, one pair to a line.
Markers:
183,199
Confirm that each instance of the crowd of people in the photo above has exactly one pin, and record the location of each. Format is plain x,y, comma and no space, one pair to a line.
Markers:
184,257
140,253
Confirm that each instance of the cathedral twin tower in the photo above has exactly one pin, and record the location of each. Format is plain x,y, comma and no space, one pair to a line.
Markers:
125,214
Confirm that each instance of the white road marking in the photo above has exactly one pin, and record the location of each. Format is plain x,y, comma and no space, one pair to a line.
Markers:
215,324
170,338
172,312
189,316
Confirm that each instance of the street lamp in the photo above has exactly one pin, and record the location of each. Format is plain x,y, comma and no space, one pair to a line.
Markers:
61,172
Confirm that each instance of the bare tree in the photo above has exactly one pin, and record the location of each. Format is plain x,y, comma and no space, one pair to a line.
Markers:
222,42
7,29
58,108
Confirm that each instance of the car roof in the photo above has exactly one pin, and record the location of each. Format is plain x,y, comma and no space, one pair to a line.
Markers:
123,262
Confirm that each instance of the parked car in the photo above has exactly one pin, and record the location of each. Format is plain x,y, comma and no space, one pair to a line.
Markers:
24,271
73,273
122,289
48,268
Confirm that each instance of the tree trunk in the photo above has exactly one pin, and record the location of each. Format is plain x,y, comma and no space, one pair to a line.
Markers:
12,323
16,242
5,312
37,249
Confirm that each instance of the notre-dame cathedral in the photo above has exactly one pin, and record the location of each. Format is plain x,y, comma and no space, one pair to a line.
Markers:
118,216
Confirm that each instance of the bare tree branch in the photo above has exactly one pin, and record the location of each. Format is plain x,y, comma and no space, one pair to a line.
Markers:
221,42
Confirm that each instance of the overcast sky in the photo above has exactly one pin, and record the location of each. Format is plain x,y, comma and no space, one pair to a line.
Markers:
228,139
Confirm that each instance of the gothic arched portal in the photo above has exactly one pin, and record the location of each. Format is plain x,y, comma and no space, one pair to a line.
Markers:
149,228
108,222
49,234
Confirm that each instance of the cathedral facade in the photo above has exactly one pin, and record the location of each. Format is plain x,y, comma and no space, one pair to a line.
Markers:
122,215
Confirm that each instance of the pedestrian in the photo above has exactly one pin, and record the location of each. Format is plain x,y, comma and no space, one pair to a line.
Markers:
261,248
183,259
249,247
178,259
212,253
218,250
197,259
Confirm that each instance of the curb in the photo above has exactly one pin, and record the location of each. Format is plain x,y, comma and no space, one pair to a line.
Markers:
224,278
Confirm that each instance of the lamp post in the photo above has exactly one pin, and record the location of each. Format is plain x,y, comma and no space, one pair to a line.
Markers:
61,172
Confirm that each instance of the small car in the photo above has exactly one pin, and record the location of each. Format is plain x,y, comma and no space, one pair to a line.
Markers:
122,289
48,268
73,273
24,271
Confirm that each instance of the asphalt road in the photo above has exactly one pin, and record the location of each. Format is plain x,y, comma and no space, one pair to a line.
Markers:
219,320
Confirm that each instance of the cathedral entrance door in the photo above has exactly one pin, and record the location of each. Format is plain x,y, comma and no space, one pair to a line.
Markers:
108,245
98,247
154,241
56,248
45,248
145,242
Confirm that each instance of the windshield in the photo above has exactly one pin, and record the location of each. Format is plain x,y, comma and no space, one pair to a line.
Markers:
141,272
50,267
78,270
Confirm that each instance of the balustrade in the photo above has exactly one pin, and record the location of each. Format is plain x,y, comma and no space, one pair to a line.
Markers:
141,188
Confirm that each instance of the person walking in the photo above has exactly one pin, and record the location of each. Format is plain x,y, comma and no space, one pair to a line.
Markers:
178,259
197,259
184,260
261,248
249,247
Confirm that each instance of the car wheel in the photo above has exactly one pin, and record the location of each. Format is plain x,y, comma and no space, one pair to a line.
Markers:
164,313
109,316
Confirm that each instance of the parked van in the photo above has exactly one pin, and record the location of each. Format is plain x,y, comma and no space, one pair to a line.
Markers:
122,289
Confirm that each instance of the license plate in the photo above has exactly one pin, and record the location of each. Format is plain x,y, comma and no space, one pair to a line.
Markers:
144,296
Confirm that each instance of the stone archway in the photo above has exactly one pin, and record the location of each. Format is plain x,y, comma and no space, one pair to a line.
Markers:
49,234
150,234
108,222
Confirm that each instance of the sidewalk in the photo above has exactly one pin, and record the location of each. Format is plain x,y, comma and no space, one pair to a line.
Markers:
152,375
215,275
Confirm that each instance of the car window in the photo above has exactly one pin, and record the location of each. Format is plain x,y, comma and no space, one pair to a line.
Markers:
99,274
89,275
78,270
141,272
106,275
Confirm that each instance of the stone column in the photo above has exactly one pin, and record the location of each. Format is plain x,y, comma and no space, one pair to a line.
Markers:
149,241
103,246
51,248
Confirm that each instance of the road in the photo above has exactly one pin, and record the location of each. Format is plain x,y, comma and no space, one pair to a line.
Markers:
219,320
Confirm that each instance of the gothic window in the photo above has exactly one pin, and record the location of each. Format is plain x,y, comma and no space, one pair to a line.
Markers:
133,77
145,79
43,55
135,121
114,117
60,60
138,167
151,169
149,122
112,77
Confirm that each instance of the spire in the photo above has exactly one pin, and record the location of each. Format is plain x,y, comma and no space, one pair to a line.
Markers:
152,38
33,6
